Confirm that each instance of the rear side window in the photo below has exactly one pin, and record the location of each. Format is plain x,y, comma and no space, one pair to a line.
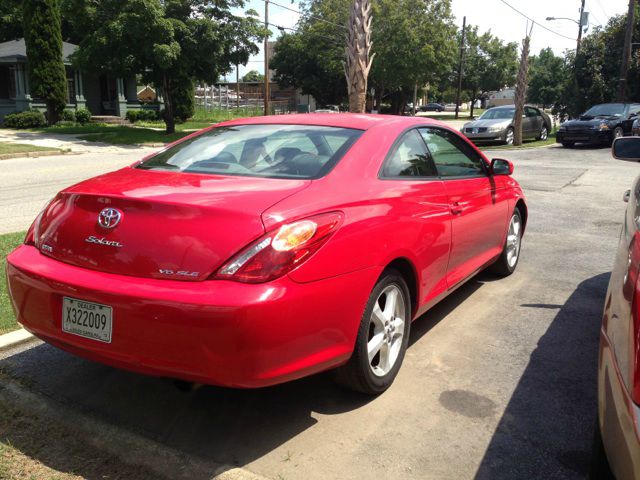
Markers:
409,158
451,155
269,151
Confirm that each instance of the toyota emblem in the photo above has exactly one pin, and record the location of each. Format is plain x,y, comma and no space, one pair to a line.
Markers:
109,217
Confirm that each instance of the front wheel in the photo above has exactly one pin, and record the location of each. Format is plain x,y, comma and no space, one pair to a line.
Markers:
618,132
382,338
508,136
508,260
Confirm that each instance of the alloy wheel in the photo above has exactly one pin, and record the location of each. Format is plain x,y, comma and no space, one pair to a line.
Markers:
618,132
544,134
386,330
509,137
513,240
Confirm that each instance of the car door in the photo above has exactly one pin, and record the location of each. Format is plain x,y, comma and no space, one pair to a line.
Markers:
532,124
420,209
478,203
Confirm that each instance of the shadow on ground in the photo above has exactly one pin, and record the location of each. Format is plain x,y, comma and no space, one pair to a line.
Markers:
547,427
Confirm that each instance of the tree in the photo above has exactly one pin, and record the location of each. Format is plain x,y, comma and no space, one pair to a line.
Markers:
414,42
521,89
10,20
172,42
358,53
43,40
253,76
546,78
489,64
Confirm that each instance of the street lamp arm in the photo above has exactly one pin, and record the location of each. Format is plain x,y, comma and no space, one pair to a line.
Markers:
563,18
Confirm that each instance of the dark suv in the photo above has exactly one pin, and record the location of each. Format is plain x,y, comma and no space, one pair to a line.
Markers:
601,124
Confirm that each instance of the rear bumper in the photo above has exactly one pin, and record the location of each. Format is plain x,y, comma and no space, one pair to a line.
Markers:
215,332
618,415
584,136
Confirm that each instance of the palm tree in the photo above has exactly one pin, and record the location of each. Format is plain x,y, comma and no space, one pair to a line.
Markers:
358,51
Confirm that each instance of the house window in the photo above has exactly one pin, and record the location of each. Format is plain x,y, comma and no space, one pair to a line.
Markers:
7,82
71,86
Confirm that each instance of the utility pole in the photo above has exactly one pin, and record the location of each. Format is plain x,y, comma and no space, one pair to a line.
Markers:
266,59
580,27
626,53
238,86
464,28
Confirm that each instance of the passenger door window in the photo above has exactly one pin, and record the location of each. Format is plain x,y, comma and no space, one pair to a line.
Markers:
409,158
451,155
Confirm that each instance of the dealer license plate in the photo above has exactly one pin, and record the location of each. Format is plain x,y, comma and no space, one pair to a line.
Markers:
87,319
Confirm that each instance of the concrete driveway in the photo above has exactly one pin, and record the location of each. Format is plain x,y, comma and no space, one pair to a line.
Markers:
499,380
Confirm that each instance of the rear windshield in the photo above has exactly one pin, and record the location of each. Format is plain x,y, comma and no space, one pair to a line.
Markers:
271,151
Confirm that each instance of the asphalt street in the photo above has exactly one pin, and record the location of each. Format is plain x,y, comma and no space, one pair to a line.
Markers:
499,381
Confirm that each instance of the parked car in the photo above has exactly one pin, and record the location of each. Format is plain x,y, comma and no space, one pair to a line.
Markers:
599,125
497,124
450,107
329,109
262,250
617,438
432,107
635,129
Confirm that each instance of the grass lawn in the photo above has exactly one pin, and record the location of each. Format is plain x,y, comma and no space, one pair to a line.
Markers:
8,323
114,134
6,147
532,143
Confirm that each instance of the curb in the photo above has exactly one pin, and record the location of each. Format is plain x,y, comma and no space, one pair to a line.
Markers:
14,339
45,153
128,446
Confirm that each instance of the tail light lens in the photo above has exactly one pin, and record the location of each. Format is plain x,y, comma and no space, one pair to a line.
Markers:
33,234
280,251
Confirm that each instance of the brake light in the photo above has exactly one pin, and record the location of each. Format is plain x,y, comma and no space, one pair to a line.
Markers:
33,234
280,251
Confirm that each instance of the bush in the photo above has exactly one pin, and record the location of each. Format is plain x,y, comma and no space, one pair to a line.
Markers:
141,115
83,116
65,123
132,115
68,116
27,119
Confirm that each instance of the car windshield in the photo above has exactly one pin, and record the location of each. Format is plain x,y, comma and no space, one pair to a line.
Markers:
270,151
606,110
498,113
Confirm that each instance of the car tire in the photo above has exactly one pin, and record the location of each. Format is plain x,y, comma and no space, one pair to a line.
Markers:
617,133
568,144
507,262
508,136
544,134
383,331
599,468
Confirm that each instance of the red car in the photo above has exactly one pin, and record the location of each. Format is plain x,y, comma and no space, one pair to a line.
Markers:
265,249
617,438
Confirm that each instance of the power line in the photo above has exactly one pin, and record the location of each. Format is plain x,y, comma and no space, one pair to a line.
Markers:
536,23
302,14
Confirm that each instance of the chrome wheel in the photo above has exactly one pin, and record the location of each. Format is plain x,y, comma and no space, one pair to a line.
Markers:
513,240
508,138
544,134
386,330
618,132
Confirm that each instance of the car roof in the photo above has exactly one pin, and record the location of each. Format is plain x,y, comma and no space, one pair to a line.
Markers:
359,121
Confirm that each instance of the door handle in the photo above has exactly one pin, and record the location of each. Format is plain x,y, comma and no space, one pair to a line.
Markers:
456,208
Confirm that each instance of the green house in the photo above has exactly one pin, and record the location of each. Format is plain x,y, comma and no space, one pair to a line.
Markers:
101,94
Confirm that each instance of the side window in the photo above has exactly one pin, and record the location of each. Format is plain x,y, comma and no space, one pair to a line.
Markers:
409,158
531,112
452,157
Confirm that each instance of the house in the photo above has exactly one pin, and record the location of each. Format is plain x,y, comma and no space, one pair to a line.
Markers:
506,96
101,94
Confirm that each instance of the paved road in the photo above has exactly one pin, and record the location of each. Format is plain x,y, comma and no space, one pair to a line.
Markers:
27,183
499,381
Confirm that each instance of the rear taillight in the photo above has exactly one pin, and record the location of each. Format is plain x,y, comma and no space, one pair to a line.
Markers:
33,234
281,250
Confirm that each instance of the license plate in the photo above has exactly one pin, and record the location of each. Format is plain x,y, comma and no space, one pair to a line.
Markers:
87,319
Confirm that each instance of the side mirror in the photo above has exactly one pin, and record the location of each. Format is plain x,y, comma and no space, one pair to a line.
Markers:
500,166
626,148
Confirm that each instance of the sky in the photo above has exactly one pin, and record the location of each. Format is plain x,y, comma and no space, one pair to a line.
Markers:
492,15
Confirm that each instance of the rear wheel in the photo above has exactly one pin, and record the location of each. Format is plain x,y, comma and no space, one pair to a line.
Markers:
544,134
508,260
382,339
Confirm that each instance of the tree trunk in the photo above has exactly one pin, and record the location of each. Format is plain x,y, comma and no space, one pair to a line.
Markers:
473,103
521,90
52,113
358,51
169,119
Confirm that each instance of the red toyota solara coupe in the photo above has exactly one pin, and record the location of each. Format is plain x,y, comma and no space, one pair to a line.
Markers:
266,249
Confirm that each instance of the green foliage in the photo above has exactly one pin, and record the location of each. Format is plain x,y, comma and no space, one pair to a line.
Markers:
27,119
83,116
184,99
547,74
489,64
68,116
174,42
10,20
253,76
141,115
43,38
